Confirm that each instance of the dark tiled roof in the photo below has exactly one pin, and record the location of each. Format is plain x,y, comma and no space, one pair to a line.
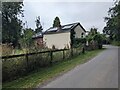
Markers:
63,28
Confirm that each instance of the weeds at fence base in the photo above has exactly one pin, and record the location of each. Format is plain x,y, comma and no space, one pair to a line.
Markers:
43,74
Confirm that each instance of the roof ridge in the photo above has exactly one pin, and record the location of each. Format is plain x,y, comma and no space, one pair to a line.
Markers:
70,24
64,25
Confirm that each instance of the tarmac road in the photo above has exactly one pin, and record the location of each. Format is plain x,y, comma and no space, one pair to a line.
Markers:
99,72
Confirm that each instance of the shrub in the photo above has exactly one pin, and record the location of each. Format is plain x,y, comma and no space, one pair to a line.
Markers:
6,49
117,43
16,67
53,47
78,42
13,68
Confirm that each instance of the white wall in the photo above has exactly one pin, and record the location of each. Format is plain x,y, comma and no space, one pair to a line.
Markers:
60,40
78,30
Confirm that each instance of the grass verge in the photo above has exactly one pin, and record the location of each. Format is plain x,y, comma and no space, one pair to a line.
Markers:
43,74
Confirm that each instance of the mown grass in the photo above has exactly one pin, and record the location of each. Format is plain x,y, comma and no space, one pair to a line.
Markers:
41,75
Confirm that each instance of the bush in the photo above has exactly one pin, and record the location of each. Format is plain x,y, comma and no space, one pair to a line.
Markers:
6,49
78,42
116,43
14,68
53,47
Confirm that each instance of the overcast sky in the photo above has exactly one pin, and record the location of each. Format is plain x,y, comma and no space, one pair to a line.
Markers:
89,14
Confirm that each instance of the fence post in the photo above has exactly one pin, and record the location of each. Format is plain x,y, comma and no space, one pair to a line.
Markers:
51,57
83,49
63,54
71,51
27,63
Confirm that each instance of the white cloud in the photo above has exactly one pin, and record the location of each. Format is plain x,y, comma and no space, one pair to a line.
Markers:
69,0
87,13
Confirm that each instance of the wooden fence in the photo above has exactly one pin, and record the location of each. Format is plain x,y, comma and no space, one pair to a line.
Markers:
15,66
28,54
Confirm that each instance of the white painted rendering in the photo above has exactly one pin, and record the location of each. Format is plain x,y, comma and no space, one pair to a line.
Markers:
78,31
60,40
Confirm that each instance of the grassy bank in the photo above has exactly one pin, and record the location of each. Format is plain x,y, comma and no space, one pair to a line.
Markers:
43,74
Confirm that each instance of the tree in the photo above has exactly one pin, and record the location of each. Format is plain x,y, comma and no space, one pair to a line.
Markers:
26,39
112,27
95,36
72,37
56,22
98,38
38,25
93,31
11,25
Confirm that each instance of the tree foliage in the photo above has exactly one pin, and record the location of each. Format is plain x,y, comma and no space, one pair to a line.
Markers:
112,27
72,37
95,36
79,42
26,39
91,34
11,25
38,25
56,22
